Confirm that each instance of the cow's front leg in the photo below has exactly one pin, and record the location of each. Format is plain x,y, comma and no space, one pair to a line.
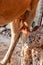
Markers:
14,40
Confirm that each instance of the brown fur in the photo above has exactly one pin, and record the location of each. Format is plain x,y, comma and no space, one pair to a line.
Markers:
11,11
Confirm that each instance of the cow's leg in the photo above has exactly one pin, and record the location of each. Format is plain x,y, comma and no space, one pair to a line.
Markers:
14,40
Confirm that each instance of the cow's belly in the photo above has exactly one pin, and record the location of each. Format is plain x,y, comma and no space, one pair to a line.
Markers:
11,9
4,21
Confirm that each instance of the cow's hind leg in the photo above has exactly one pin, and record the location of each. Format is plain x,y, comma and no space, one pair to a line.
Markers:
14,40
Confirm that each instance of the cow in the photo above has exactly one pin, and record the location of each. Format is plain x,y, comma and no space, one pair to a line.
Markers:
13,12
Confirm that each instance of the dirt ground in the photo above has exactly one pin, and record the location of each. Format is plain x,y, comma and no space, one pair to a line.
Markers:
4,45
15,60
5,40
